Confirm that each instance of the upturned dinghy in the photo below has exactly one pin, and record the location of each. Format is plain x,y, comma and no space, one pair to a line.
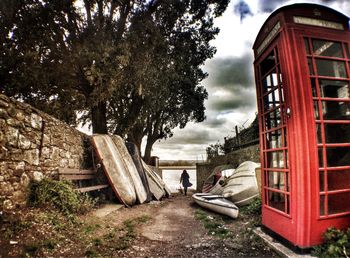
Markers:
216,203
242,186
115,169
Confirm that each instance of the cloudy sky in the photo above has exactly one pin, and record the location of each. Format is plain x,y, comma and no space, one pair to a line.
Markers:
230,84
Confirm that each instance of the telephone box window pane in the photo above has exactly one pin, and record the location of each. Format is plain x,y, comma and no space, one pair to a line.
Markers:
275,159
338,156
327,48
307,48
273,119
334,110
334,89
338,180
277,200
276,180
268,63
274,139
317,113
337,133
331,68
320,157
311,68
338,203
321,181
319,133
322,200
267,85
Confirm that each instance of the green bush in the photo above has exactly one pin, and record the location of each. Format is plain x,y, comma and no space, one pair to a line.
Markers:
337,244
254,208
59,195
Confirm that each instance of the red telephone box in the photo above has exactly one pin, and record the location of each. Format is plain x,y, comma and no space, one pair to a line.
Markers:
302,79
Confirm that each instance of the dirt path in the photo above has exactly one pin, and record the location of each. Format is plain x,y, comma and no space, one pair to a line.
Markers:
174,231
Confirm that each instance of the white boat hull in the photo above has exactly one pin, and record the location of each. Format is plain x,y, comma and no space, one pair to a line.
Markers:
242,186
216,203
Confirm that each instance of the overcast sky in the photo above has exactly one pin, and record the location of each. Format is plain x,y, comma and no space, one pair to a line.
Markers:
230,84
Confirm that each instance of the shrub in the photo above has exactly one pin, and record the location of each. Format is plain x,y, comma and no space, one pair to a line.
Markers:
59,195
337,244
253,208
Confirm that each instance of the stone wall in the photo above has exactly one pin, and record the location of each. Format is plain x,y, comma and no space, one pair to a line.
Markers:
34,145
235,158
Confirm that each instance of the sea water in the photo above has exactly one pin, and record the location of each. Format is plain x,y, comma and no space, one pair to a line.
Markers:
172,179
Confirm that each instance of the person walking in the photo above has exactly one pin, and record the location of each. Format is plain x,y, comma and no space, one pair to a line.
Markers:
185,180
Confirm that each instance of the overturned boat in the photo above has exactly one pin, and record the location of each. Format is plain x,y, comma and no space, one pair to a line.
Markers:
216,203
242,186
215,182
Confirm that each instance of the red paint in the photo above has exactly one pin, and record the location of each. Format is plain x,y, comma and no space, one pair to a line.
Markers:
304,121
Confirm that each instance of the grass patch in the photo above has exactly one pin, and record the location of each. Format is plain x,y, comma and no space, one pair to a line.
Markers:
59,195
117,238
214,225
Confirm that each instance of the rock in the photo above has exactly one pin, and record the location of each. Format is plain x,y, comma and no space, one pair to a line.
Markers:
23,142
36,121
3,113
8,205
2,179
12,111
24,180
3,103
38,176
31,157
12,136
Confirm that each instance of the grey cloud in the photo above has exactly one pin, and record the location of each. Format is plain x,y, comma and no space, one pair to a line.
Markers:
225,72
242,9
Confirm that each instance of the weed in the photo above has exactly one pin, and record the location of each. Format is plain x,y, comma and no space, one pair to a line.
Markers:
60,195
91,253
215,226
254,208
337,244
91,228
31,248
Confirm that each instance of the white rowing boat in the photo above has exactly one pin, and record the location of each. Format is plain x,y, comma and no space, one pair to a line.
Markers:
115,169
242,186
216,203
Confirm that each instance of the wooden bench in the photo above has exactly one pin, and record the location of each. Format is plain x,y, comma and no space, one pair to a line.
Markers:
79,176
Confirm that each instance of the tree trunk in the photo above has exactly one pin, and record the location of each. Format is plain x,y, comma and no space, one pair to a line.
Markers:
148,150
136,136
98,118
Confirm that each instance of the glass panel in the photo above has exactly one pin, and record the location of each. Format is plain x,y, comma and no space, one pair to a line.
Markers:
313,87
287,161
311,68
288,209
307,48
331,68
287,181
337,133
322,200
274,139
274,79
337,180
320,157
268,63
327,48
334,110
321,181
267,85
273,119
338,156
277,200
334,89
276,180
338,203
317,113
319,133
275,159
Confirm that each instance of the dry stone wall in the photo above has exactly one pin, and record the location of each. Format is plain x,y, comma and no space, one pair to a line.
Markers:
34,145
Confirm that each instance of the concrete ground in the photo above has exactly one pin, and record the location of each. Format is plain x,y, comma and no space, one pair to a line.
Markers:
283,250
